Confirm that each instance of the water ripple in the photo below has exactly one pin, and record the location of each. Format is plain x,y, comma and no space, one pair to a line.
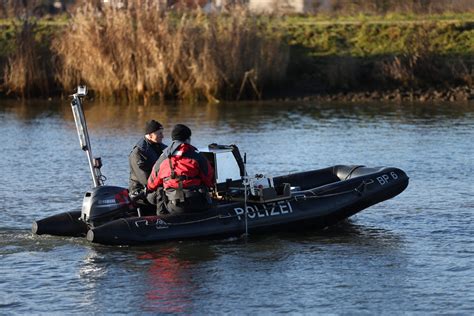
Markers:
412,254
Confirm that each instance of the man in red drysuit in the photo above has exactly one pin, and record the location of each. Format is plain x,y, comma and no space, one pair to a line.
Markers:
182,175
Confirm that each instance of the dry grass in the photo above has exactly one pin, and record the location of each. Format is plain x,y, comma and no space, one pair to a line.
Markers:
25,72
151,52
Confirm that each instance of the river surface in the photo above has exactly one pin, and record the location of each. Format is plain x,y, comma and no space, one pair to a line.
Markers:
411,254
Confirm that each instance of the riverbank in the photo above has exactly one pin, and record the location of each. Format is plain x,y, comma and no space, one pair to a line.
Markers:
354,58
446,94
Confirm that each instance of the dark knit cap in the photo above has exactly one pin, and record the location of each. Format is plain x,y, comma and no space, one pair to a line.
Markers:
152,126
180,132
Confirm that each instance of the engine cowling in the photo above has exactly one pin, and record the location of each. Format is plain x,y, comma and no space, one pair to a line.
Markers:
105,203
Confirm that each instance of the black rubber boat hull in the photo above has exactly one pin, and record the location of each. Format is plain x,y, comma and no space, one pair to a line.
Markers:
337,202
63,224
324,198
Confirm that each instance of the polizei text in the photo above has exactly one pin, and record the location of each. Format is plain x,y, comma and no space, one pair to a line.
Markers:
264,210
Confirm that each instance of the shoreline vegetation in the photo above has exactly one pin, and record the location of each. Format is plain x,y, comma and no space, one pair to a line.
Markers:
145,53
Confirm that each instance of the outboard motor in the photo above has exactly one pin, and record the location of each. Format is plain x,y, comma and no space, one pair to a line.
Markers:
101,204
105,203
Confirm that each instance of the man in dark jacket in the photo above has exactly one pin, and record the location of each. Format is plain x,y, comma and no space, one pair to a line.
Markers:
144,155
184,174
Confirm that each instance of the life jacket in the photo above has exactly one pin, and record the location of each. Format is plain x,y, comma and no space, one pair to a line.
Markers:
181,166
185,176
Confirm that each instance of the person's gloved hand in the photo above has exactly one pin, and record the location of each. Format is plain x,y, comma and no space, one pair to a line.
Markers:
138,194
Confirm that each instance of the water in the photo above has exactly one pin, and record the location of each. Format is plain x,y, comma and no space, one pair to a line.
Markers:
411,254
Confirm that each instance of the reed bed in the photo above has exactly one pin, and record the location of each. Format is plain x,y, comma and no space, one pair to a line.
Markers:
143,52
25,72
147,52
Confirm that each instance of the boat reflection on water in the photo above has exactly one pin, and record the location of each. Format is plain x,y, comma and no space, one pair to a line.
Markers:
169,283
160,279
349,231
177,277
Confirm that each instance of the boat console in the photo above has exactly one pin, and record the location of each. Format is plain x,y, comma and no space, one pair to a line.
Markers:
232,182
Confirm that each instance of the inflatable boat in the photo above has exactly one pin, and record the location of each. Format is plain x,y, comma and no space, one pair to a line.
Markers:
241,204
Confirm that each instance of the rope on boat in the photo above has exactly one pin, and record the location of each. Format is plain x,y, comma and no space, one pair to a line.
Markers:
362,186
352,171
193,222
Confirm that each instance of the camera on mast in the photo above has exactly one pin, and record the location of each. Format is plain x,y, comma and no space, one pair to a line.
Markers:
81,91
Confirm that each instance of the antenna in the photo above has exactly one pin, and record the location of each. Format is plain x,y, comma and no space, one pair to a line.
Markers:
94,163
246,185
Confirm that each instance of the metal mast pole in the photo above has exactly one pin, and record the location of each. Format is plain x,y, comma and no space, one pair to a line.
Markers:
83,134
